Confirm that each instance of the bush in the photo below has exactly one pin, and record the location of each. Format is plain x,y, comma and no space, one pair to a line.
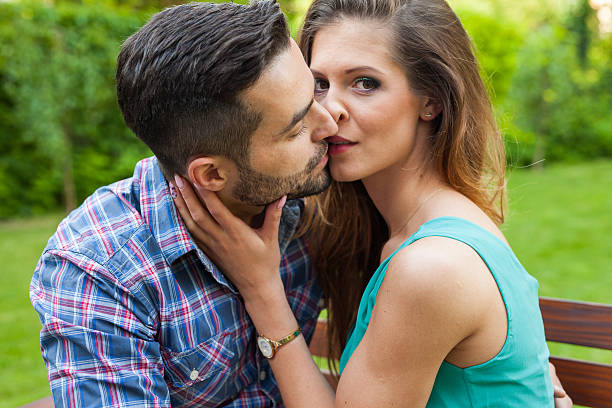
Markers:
560,101
496,53
62,134
61,131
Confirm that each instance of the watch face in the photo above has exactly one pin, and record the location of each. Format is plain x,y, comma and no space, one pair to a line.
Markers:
265,347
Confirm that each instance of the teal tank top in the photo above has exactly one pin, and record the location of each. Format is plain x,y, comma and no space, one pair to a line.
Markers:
518,375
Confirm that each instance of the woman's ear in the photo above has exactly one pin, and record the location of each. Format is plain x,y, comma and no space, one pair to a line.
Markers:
430,110
208,172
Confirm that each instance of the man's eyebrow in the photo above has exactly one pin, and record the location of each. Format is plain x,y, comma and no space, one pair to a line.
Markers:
297,117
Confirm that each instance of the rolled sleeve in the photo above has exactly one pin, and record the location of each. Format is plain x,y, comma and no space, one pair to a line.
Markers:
96,339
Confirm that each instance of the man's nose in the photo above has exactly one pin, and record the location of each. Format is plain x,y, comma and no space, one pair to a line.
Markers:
325,125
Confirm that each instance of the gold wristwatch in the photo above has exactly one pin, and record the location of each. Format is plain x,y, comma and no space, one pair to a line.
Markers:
268,347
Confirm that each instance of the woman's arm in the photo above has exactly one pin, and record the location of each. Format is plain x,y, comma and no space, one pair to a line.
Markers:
377,374
374,376
415,323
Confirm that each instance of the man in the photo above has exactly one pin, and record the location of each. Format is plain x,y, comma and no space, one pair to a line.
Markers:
133,312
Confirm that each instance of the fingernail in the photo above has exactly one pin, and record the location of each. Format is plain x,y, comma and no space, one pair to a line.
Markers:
179,181
559,390
173,192
282,202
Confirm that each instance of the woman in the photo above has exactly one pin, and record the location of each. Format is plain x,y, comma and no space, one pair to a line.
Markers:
426,299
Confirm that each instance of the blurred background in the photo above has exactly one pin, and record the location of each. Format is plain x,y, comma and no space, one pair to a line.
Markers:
548,65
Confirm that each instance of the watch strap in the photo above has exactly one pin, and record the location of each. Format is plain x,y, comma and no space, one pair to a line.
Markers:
287,339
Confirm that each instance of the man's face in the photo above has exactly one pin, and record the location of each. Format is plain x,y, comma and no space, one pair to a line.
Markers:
288,153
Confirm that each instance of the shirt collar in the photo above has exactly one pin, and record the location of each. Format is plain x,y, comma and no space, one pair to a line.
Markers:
168,228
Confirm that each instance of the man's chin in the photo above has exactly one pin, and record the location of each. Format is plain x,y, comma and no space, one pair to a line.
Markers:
321,184
310,192
306,191
263,194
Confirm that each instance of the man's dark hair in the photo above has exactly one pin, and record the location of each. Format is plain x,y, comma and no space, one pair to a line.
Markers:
179,78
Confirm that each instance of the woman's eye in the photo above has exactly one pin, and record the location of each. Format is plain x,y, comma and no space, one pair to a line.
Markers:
321,85
366,84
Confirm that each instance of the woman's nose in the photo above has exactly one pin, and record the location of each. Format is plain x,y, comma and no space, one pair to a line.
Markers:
335,107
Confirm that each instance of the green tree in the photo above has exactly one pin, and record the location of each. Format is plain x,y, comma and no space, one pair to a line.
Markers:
549,70
497,42
579,22
64,130
561,101
61,132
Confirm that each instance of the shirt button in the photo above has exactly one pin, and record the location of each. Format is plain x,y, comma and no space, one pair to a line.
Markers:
262,375
194,374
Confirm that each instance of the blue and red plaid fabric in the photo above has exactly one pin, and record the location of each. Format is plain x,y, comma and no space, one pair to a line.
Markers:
135,315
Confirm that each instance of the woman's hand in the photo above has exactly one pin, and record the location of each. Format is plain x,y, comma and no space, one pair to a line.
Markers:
562,400
249,257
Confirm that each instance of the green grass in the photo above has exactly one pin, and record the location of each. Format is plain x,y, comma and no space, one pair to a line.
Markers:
558,224
23,377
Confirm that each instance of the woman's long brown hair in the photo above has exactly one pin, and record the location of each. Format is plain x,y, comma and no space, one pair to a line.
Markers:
346,231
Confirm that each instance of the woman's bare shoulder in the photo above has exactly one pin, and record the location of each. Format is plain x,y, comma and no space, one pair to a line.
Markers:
443,275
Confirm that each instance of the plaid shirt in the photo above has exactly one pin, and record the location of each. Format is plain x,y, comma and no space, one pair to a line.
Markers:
135,315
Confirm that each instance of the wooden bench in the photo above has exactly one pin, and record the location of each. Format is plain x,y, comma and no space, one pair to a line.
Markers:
581,323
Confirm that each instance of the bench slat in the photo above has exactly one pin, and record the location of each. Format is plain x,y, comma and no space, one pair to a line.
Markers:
43,403
589,384
580,323
318,344
583,324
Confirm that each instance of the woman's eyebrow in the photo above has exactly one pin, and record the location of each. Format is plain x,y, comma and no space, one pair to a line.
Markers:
362,68
351,70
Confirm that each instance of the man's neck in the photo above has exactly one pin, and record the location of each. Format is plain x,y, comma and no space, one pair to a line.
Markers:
251,214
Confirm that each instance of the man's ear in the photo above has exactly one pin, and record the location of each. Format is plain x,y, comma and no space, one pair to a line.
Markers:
208,172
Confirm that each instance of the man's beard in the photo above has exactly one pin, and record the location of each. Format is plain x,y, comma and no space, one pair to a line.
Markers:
260,189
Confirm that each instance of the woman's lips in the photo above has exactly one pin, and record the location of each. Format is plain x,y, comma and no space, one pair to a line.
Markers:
338,145
339,149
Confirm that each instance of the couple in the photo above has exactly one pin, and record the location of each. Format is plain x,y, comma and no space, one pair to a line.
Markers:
426,300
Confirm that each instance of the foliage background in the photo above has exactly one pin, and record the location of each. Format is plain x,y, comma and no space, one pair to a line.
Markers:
62,135
61,131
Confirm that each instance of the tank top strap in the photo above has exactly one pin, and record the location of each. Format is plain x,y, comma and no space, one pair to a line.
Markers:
459,229
485,243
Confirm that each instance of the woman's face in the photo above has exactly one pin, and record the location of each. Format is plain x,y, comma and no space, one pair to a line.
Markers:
368,95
